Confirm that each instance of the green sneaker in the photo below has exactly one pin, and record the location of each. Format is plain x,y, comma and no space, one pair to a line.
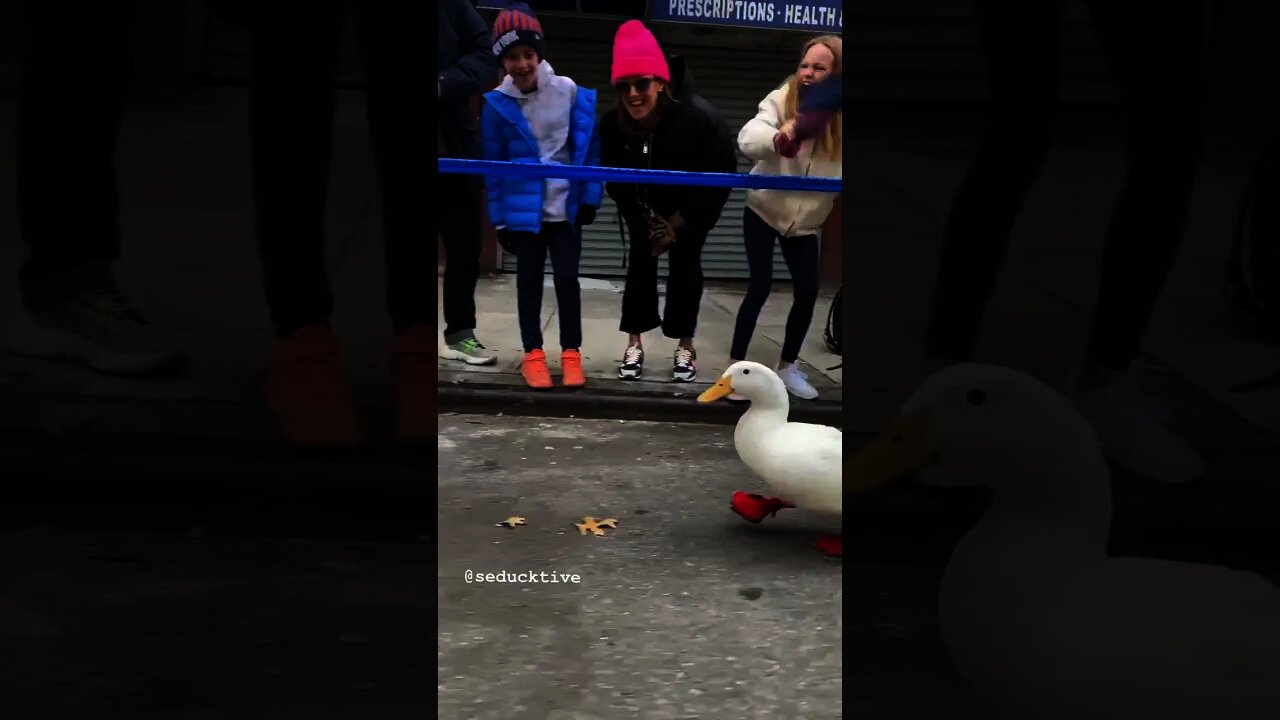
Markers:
101,330
469,351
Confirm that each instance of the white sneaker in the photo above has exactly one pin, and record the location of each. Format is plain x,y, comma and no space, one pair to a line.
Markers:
470,351
1133,434
797,383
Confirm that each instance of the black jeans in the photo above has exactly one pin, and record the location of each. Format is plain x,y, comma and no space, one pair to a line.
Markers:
802,254
459,223
565,245
1156,53
295,52
70,102
679,318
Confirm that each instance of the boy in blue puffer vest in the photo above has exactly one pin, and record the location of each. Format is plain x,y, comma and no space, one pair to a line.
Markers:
536,116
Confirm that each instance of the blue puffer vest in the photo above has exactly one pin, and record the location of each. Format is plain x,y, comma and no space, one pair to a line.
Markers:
517,202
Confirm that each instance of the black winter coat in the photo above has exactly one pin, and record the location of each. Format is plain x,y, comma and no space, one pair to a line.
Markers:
691,136
464,66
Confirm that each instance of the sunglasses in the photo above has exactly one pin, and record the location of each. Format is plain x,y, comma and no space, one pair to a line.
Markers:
642,86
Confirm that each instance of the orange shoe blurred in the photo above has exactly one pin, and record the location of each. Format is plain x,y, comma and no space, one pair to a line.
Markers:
571,364
307,393
413,370
534,369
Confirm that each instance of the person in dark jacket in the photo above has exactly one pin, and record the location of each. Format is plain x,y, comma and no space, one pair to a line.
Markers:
465,66
661,123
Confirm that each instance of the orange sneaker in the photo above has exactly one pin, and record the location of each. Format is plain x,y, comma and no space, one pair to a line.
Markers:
571,364
413,369
307,393
534,369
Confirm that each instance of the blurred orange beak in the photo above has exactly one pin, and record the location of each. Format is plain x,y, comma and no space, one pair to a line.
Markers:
899,450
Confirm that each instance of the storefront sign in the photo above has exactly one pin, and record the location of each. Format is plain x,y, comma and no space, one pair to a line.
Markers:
826,16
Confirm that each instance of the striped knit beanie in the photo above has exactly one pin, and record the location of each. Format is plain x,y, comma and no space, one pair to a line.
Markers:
517,25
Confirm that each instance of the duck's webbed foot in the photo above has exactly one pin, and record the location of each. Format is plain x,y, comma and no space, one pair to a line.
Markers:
754,507
832,545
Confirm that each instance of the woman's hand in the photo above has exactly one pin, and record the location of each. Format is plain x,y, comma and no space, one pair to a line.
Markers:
786,145
661,234
789,129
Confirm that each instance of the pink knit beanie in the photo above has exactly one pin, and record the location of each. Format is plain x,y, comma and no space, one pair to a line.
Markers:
636,53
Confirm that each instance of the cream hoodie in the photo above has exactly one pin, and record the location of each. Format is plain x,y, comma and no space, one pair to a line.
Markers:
791,213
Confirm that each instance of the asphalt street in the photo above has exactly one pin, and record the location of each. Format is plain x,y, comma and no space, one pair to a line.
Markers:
683,610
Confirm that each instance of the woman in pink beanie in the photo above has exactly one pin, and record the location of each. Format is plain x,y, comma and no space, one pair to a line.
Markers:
661,123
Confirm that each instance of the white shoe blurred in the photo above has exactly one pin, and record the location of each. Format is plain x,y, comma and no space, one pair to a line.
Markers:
1131,427
797,383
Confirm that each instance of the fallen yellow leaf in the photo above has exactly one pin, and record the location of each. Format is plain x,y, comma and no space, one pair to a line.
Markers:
592,525
511,522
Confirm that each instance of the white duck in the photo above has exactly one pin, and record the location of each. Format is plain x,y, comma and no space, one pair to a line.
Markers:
799,461
1035,613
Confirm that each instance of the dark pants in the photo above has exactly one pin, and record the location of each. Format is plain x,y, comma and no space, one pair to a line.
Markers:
1156,55
679,318
460,228
295,52
802,255
565,245
70,101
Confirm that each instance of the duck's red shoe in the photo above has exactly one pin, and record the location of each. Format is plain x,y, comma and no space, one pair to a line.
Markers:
832,545
754,507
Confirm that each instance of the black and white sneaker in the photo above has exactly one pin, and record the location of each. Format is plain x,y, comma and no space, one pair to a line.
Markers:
632,363
685,368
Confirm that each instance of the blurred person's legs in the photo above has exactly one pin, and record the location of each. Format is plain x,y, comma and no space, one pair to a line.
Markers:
294,58
1020,47
70,102
399,115
1157,53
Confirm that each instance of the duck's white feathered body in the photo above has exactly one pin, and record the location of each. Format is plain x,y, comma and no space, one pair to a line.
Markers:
1037,615
800,462
1047,636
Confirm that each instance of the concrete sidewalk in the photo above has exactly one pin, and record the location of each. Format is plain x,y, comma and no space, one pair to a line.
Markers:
603,344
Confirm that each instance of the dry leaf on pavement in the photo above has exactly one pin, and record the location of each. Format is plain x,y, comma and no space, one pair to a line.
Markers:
592,525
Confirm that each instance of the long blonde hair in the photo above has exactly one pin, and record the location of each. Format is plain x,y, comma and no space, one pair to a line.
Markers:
830,141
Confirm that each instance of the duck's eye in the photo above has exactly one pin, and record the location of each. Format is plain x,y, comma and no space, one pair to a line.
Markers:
746,371
977,397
